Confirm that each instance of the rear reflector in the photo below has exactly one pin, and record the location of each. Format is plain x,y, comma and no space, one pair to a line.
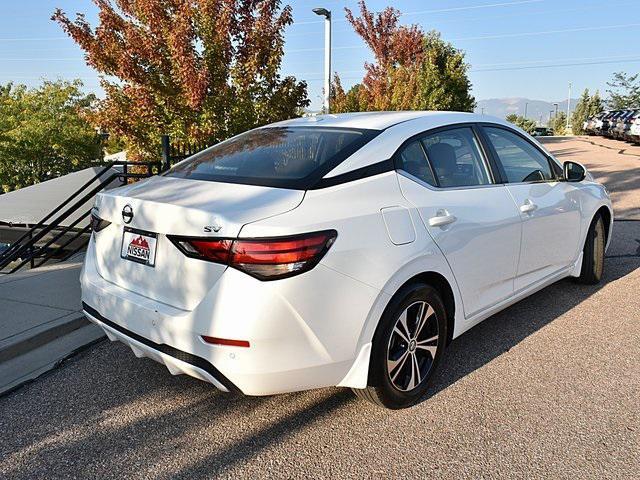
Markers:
225,341
263,258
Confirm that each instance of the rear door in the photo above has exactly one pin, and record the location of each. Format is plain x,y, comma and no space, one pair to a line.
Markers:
549,208
473,221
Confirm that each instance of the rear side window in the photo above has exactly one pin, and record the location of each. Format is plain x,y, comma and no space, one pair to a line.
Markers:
520,160
455,158
287,157
413,160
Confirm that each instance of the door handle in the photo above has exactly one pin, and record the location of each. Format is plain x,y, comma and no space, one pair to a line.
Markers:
441,219
528,206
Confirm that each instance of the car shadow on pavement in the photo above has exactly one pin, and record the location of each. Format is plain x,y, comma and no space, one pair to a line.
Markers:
65,425
506,329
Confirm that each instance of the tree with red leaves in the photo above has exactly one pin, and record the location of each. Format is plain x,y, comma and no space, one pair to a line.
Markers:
412,70
202,71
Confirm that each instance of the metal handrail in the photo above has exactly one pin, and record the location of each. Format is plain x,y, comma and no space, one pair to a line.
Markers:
41,223
25,245
42,249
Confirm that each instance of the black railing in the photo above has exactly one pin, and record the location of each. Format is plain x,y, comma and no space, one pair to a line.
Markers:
174,151
30,249
50,239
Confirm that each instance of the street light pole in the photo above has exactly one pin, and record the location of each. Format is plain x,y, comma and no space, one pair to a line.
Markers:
526,106
323,12
568,105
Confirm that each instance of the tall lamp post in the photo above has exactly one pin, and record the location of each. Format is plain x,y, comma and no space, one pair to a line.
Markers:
569,106
323,12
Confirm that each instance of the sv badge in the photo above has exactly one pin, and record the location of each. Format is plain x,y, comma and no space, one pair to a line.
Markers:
216,227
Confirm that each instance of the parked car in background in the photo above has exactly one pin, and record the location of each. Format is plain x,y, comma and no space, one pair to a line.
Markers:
628,122
619,128
603,125
611,123
542,132
618,124
596,128
634,128
339,250
594,123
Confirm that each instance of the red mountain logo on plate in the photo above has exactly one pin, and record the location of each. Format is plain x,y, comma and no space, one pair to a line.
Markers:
140,242
139,248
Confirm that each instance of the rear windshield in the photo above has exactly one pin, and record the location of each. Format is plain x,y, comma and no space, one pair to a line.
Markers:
286,157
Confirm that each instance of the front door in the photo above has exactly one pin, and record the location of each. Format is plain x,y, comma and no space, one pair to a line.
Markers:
549,208
473,221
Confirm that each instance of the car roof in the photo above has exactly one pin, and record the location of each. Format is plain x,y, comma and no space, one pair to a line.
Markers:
380,120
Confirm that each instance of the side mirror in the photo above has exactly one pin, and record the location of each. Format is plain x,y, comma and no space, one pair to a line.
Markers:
573,172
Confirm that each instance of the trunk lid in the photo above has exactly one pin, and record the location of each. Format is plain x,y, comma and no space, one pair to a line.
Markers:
173,206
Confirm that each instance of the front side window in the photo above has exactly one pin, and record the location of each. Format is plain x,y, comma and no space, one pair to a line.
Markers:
277,156
521,161
456,158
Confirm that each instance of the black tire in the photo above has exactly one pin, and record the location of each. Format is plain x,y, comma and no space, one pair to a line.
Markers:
593,253
415,298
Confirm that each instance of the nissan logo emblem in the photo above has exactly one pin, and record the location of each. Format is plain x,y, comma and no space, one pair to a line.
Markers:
127,214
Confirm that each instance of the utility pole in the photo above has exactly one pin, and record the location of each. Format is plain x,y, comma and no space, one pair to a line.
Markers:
556,105
568,106
323,12
526,106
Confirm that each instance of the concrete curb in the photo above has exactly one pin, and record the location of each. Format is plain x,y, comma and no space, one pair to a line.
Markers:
36,337
28,355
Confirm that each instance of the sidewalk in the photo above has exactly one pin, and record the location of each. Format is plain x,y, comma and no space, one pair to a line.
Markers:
41,321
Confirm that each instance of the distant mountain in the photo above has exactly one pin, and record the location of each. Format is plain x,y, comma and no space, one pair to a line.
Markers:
536,109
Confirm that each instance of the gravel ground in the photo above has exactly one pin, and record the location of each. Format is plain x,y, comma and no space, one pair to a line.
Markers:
548,388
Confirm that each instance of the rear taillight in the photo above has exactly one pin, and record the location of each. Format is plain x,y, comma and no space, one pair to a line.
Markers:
96,223
262,258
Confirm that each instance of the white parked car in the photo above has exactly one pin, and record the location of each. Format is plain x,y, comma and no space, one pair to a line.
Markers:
342,250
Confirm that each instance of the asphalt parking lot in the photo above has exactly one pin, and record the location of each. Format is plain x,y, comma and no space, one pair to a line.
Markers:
548,388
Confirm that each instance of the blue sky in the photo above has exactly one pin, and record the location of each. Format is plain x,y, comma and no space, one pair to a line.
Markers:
514,46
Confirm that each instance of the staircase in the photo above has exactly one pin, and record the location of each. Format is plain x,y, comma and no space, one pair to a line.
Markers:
53,237
41,318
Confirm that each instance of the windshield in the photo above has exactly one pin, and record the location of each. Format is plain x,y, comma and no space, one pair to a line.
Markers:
287,157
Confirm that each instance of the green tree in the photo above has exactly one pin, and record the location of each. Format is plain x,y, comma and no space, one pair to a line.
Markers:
412,70
346,101
443,83
44,132
559,123
596,105
588,106
581,113
525,124
624,91
201,70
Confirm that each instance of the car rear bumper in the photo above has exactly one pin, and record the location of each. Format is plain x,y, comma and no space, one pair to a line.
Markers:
176,361
297,338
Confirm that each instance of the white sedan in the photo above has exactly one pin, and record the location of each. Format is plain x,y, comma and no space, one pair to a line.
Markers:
338,250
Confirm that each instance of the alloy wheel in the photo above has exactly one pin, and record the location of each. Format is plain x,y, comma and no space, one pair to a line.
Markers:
412,346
